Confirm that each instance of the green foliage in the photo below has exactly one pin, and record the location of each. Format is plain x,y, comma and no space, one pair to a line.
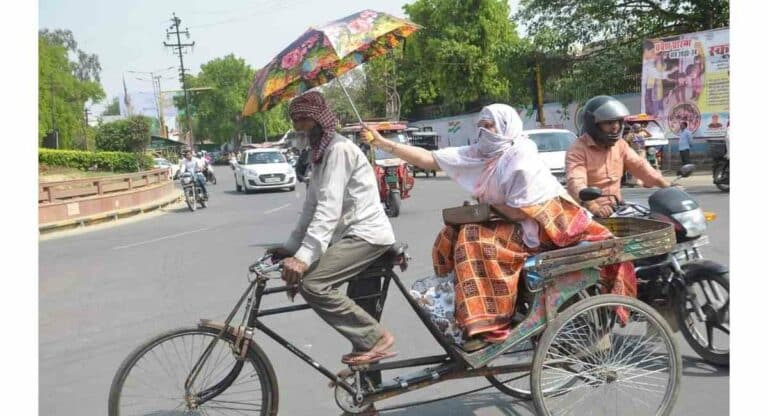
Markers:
113,109
104,161
64,87
456,61
130,135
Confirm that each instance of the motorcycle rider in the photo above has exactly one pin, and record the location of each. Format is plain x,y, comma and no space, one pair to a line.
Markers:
341,231
194,166
599,157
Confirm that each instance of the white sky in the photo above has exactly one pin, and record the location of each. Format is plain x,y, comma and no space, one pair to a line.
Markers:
128,36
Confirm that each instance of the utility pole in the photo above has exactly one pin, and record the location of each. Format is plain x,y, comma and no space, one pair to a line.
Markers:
539,95
179,49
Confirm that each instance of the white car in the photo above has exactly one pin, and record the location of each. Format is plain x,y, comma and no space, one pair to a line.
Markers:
263,169
552,145
163,163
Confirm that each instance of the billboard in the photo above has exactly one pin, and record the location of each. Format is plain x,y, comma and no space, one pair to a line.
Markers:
687,78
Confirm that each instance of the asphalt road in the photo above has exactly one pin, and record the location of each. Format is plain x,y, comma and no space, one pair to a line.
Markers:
104,292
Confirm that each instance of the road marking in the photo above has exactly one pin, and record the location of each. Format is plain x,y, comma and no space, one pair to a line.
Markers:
159,239
277,209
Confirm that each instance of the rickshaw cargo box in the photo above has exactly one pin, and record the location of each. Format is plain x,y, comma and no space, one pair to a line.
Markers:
636,238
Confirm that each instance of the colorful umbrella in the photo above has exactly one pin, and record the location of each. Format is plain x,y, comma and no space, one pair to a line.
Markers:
323,54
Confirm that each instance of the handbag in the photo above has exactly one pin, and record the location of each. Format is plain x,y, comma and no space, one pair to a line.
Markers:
470,214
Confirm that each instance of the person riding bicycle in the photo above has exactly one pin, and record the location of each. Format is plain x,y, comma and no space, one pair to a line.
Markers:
195,167
598,158
341,231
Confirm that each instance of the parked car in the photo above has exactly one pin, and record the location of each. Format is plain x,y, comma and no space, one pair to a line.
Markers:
552,145
263,169
164,163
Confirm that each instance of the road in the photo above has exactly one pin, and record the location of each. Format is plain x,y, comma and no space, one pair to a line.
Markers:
104,292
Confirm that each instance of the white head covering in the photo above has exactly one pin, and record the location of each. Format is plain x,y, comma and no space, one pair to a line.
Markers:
502,167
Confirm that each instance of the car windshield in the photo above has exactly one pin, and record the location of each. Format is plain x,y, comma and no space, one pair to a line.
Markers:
426,142
395,137
263,158
552,141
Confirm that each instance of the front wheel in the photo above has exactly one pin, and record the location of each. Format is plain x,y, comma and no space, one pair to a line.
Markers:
607,366
190,197
151,380
393,204
706,295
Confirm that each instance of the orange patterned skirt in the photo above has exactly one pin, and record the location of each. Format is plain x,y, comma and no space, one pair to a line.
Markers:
487,259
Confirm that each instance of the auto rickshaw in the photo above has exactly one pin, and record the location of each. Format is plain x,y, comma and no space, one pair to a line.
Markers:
426,140
393,175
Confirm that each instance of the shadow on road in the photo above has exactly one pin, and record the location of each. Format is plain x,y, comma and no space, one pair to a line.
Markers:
696,367
467,405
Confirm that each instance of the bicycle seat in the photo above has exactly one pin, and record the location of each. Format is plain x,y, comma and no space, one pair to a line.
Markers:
391,257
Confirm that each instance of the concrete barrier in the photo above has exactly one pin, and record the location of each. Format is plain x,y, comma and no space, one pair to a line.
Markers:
109,206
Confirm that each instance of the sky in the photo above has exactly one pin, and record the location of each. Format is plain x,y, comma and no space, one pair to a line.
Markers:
129,35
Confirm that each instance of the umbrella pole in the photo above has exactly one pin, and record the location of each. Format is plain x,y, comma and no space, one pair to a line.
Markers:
343,88
370,155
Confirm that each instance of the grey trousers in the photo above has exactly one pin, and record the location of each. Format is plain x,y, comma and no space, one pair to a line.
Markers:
320,288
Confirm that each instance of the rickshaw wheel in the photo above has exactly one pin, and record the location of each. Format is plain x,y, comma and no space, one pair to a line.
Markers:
616,367
518,385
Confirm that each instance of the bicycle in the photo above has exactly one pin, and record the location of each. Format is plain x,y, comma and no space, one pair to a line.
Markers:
581,348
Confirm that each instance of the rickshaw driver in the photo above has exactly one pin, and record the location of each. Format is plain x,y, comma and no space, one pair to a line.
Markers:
341,231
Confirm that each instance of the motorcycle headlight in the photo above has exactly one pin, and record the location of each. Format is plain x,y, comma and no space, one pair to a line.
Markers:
692,221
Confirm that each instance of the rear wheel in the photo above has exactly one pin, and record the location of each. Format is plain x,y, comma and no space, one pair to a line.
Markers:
708,294
518,384
719,173
611,367
151,380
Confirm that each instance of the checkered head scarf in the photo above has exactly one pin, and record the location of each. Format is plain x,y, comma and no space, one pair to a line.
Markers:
312,105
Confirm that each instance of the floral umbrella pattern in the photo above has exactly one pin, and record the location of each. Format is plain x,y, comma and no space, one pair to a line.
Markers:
320,55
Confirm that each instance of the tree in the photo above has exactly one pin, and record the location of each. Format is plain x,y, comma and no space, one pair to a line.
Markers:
62,92
456,61
596,44
87,66
217,112
130,135
113,109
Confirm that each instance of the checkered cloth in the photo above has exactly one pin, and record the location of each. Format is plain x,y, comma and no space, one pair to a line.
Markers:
312,105
487,260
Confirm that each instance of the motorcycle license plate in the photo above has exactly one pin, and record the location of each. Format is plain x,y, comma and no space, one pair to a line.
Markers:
271,180
391,179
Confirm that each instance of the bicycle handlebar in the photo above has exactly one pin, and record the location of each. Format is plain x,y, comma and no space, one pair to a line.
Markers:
259,267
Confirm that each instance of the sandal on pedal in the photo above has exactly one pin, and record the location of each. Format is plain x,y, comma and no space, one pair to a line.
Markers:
369,357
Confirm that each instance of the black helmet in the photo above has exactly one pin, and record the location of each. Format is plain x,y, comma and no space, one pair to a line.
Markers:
599,109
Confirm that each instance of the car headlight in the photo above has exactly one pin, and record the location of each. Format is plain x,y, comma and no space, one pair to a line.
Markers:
251,173
694,222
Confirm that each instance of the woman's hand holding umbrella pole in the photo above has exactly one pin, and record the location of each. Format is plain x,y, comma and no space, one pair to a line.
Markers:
416,156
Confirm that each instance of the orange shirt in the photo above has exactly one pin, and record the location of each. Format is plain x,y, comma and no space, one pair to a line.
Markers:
587,164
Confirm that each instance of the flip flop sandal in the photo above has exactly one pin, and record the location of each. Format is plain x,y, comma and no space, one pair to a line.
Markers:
369,357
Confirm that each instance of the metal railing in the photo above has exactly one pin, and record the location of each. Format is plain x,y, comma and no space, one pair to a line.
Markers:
79,188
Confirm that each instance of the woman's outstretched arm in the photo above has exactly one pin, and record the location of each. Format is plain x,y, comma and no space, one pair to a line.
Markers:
414,155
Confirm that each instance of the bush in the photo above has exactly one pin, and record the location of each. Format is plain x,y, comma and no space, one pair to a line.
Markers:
103,161
129,135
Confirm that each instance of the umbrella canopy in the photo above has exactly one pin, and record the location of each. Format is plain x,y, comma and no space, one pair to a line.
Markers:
322,54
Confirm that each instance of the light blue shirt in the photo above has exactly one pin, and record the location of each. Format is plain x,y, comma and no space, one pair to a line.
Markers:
686,139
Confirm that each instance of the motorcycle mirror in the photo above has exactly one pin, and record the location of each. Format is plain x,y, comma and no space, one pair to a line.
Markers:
686,170
590,194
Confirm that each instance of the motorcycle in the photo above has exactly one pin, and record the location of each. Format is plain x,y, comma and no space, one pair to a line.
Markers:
690,291
210,177
721,173
193,194
395,181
